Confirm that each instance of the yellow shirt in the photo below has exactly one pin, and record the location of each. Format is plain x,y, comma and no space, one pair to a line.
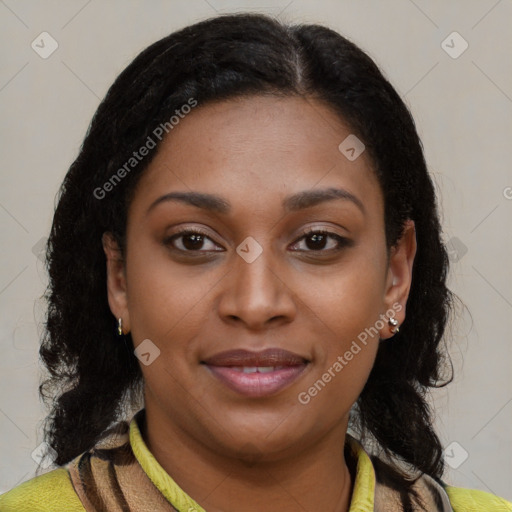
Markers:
54,490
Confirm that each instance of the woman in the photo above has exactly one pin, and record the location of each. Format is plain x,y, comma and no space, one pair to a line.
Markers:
247,250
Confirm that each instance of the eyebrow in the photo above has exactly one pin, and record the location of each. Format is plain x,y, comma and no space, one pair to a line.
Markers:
295,202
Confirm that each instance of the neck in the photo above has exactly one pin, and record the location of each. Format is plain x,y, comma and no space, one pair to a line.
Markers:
315,478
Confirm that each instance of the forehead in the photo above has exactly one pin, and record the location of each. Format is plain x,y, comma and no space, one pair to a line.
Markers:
257,150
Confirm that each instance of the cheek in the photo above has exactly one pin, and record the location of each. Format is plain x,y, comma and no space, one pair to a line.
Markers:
167,302
343,360
347,298
347,306
331,395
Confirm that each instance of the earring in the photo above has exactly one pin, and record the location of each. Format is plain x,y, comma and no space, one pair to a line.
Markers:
393,322
120,327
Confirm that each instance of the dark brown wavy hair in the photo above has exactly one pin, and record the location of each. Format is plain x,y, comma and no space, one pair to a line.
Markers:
92,376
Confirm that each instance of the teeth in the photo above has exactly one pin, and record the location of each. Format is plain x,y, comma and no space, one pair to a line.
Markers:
256,369
266,369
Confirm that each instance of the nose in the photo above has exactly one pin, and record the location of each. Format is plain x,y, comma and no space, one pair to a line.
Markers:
256,294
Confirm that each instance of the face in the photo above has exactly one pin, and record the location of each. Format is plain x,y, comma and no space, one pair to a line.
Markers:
264,304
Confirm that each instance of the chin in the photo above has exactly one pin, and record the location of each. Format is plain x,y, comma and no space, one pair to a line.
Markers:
262,442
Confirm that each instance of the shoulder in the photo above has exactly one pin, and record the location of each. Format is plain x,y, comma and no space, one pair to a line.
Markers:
434,494
51,491
471,500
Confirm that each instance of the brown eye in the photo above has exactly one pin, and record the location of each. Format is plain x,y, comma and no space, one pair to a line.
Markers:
318,241
191,240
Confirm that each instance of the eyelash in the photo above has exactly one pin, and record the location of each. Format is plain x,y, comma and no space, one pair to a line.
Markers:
342,241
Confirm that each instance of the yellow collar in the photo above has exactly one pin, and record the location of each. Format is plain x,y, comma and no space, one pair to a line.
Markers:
362,496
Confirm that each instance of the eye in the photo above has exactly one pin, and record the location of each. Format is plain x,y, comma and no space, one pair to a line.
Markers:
192,240
316,241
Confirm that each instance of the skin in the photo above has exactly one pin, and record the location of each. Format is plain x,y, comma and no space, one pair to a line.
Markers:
267,453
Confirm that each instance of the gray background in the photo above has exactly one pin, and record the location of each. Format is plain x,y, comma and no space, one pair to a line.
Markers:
463,110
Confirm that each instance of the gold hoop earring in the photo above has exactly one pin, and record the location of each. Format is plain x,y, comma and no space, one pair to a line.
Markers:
120,327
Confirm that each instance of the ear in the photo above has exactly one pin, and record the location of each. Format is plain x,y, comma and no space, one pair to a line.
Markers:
399,277
116,280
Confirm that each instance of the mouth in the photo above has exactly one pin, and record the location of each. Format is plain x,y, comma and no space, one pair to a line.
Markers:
256,374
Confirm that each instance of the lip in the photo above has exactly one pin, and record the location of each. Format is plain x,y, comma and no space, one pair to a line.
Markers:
230,368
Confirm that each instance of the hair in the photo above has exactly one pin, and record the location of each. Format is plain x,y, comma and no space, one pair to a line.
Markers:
92,375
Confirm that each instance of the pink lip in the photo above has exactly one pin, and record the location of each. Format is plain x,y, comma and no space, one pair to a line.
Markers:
228,368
